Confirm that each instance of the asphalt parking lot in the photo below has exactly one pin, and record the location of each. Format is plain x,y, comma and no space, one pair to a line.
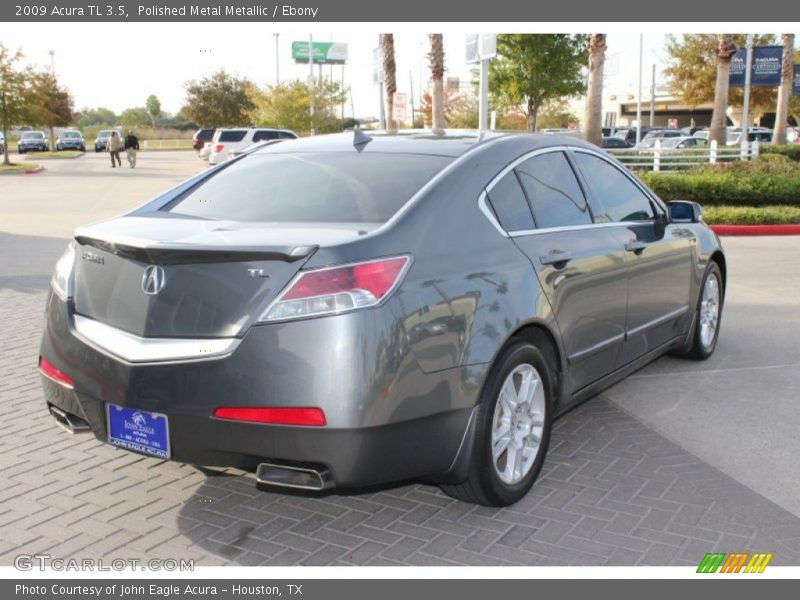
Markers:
680,459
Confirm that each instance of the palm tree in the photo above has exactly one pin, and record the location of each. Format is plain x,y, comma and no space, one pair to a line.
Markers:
389,79
436,58
785,90
726,48
594,89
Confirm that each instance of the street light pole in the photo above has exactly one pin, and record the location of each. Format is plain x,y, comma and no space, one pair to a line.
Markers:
52,54
277,62
311,85
639,97
653,98
746,107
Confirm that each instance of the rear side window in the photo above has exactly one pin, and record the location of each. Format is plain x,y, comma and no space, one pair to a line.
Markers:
235,135
509,204
285,135
619,199
311,187
551,186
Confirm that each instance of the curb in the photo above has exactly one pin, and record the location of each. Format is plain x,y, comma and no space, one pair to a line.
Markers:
756,229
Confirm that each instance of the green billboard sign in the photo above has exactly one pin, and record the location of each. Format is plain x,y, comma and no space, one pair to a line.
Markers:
327,53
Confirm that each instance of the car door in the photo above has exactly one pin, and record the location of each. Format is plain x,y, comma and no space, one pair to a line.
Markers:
579,266
658,255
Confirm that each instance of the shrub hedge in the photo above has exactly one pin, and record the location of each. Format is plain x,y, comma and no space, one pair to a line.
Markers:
772,179
790,150
751,215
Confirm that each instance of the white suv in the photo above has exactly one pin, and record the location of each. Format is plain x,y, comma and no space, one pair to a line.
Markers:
228,140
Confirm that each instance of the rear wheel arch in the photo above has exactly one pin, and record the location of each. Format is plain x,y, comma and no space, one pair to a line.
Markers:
543,338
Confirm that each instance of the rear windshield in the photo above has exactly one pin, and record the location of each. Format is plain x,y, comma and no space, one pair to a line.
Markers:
313,187
232,136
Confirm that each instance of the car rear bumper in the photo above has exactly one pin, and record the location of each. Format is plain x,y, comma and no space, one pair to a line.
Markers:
386,419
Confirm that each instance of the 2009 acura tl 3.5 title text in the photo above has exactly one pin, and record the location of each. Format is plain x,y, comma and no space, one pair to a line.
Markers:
227,10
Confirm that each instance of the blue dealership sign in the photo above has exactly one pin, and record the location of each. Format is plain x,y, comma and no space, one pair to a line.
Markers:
767,62
796,81
738,65
766,69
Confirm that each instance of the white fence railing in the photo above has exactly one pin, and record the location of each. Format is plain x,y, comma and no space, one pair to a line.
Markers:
662,159
166,144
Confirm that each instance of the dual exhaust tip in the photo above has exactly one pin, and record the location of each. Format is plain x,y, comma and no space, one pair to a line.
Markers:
309,478
67,421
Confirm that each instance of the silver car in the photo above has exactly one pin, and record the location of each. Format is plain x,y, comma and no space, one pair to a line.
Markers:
351,310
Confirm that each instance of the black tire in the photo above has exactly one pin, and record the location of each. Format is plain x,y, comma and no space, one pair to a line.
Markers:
697,350
483,484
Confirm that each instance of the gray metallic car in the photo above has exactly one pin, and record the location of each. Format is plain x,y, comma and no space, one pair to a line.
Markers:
349,310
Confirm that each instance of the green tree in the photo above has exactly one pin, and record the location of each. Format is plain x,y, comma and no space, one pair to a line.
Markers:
94,117
287,105
52,104
219,100
153,107
692,70
533,68
135,117
16,94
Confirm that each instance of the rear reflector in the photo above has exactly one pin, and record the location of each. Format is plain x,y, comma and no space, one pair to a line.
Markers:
51,372
219,147
313,417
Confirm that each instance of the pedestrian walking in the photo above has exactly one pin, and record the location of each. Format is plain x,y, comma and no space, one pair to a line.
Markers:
113,145
131,148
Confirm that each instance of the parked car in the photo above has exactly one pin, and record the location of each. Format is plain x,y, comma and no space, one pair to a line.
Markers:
227,140
201,137
649,141
253,147
615,142
102,139
629,133
205,152
690,131
349,310
33,141
683,143
70,140
760,134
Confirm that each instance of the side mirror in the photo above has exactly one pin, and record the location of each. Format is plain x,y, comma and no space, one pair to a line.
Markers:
684,211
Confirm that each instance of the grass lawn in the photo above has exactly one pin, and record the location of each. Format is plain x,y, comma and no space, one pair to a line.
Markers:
14,167
58,154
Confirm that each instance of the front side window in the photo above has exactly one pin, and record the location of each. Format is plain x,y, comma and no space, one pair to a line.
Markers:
554,193
617,197
310,187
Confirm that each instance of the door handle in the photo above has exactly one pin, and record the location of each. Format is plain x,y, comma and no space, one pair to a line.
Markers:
635,246
556,257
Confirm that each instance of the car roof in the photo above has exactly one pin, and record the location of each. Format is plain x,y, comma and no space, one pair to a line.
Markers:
454,142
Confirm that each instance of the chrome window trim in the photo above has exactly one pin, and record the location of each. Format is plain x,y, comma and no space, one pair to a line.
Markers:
483,206
595,348
134,349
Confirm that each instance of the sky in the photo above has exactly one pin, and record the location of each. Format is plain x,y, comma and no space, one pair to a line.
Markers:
118,65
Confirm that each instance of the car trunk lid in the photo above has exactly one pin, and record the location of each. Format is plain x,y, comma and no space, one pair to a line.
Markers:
167,276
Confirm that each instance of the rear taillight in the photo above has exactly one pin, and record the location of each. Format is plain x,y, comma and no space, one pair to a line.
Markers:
308,416
54,374
219,147
334,290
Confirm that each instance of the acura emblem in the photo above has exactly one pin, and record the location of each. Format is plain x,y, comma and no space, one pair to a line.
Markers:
153,280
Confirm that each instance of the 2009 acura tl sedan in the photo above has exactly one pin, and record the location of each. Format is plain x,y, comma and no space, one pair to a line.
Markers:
346,310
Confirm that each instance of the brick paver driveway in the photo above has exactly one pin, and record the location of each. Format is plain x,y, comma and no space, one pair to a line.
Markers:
613,491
